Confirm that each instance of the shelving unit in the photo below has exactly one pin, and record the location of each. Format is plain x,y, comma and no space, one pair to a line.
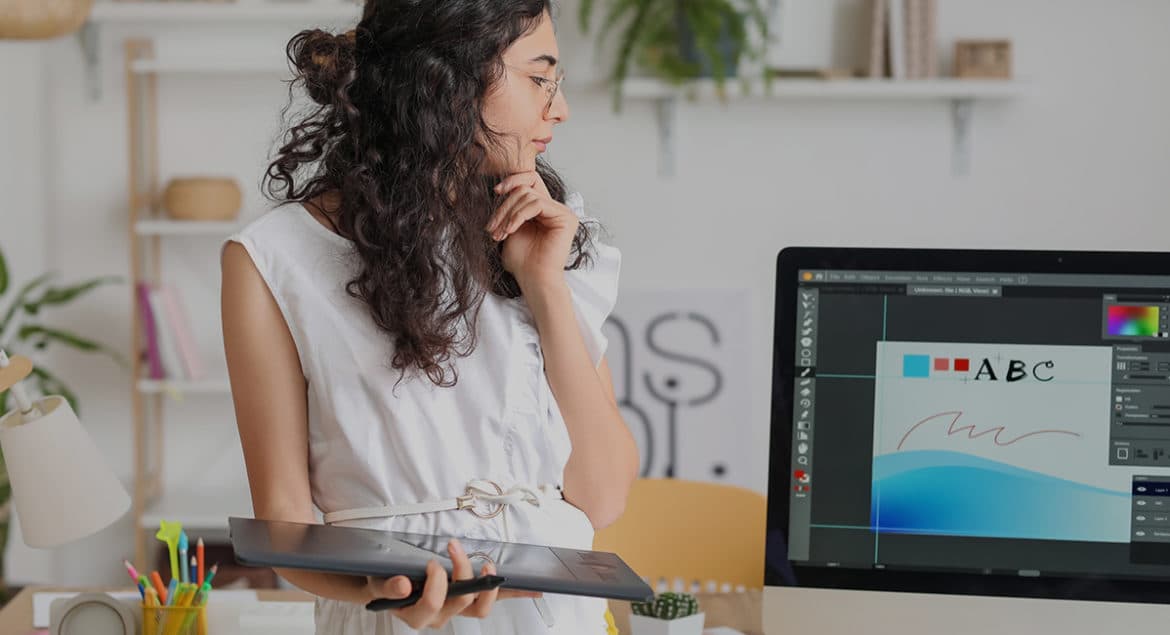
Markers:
134,14
205,511
960,94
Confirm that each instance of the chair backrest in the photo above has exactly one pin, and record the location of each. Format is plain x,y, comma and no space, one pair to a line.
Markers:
693,531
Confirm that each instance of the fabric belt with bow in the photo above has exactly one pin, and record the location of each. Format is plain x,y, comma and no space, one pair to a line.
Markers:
495,499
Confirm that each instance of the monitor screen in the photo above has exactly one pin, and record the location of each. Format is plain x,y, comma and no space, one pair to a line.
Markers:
993,423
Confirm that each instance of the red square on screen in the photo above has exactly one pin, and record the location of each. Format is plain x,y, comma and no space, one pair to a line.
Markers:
942,363
962,365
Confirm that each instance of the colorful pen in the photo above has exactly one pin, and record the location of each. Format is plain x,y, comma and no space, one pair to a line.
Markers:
194,572
199,558
183,571
172,588
181,601
130,569
169,532
138,580
159,587
154,616
203,592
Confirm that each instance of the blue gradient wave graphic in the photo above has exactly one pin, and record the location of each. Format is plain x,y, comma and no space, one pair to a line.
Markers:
956,494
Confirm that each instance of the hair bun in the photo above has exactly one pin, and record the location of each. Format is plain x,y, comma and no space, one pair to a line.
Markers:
325,61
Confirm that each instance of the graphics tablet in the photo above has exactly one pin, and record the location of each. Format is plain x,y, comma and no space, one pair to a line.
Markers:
373,552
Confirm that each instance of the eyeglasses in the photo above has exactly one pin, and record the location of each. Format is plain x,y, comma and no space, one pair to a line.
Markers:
550,86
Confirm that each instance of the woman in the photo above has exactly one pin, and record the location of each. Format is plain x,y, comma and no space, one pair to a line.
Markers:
413,335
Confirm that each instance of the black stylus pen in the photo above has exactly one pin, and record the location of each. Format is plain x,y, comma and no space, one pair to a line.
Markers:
461,587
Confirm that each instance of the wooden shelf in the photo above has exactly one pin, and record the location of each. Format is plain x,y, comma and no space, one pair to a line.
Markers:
206,386
199,509
859,89
248,10
163,227
960,94
211,66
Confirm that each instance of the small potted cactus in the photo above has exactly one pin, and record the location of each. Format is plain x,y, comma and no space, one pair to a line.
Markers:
669,614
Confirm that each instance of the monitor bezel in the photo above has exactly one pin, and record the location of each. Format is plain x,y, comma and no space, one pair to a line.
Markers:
779,570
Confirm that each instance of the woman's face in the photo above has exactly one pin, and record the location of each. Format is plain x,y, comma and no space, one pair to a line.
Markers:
518,107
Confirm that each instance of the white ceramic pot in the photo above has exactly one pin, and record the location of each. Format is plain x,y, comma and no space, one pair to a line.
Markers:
202,198
41,19
642,625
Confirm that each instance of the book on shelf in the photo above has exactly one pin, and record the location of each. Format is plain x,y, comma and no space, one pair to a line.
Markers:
876,53
896,38
930,38
913,33
170,348
151,353
903,40
181,328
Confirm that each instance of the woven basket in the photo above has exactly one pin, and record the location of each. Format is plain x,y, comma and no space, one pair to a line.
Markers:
202,198
41,19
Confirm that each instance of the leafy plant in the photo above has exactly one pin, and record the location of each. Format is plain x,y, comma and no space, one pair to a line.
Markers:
667,606
678,40
22,333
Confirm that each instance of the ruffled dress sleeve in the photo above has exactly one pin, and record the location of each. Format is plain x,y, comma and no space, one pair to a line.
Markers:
594,286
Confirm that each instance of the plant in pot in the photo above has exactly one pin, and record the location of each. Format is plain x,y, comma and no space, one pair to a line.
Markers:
669,613
680,40
21,332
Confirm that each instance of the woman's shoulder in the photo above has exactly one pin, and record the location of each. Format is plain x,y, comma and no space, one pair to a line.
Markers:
287,238
279,220
287,227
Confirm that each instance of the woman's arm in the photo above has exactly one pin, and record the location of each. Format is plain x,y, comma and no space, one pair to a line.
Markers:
604,461
268,389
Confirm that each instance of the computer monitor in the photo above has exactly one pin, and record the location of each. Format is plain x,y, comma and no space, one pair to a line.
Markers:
969,442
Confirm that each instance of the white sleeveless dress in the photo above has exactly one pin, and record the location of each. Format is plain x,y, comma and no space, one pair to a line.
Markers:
369,447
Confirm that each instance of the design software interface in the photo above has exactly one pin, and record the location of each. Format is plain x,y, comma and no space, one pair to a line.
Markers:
987,423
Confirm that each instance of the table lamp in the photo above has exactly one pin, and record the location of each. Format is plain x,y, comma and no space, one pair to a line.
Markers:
62,488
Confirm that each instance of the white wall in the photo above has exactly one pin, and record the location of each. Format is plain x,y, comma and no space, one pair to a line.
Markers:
24,232
1081,160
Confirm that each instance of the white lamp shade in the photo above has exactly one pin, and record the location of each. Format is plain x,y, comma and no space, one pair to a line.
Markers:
61,485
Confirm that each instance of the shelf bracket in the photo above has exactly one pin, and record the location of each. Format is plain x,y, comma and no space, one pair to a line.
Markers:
962,112
666,110
87,36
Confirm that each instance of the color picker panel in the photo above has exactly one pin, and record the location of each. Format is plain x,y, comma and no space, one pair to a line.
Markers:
1136,321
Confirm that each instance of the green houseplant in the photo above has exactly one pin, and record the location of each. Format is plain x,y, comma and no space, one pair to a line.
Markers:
669,613
21,331
679,40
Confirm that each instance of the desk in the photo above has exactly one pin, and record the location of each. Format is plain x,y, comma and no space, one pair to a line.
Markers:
17,616
737,610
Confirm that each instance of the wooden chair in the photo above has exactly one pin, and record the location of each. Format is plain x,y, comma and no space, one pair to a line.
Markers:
703,534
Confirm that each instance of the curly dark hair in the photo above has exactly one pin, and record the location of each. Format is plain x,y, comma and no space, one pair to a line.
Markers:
397,139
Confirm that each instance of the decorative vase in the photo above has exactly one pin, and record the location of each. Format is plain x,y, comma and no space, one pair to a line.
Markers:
41,19
643,625
203,198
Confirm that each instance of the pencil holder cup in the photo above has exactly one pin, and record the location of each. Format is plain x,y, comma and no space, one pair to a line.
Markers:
174,620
